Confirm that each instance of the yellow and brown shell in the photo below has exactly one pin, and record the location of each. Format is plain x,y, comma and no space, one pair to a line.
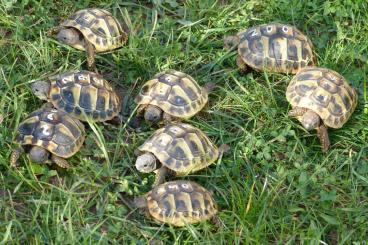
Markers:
52,130
325,92
181,148
275,47
176,93
180,203
84,95
98,27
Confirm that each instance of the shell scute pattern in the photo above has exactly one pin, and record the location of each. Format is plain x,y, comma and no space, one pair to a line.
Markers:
324,91
180,203
275,47
176,93
99,27
84,95
182,148
53,130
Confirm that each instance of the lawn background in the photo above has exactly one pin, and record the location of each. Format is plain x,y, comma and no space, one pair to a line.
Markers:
275,186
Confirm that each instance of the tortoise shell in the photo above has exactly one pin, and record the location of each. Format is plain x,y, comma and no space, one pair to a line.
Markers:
98,27
176,93
180,203
52,130
325,92
181,148
84,95
276,48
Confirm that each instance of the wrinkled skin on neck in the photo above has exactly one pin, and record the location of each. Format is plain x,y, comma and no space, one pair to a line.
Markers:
41,89
310,120
39,154
146,163
153,114
69,36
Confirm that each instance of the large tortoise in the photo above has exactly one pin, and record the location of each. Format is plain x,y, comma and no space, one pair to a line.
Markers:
49,135
93,30
321,98
179,203
172,95
84,95
177,149
272,47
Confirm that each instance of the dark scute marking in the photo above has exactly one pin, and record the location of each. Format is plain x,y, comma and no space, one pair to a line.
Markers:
206,212
256,46
178,153
145,89
292,52
336,109
190,92
77,111
193,146
69,108
85,99
109,113
104,42
169,161
63,139
306,54
178,164
304,88
243,50
101,31
178,100
207,204
73,128
38,133
321,98
180,206
166,205
103,114
95,114
61,104
275,50
296,65
258,61
186,163
196,205
55,97
27,128
68,96
100,104
346,101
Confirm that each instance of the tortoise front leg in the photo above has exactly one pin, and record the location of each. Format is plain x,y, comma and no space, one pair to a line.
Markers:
15,156
61,162
160,175
297,111
170,119
217,222
241,64
90,49
323,137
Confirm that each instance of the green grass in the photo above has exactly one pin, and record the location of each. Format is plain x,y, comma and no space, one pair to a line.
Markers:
275,186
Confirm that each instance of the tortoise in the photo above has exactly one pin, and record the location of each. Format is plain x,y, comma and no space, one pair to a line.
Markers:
84,95
171,95
92,30
49,136
179,203
321,98
272,47
179,148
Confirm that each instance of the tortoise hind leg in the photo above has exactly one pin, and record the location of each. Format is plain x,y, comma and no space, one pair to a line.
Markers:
61,162
90,49
15,156
323,137
241,64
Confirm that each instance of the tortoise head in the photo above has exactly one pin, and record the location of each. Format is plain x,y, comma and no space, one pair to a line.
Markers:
153,114
69,36
310,120
41,89
38,154
140,202
231,42
146,163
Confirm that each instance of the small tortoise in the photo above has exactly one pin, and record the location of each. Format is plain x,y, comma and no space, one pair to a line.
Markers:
171,94
179,148
272,47
93,30
49,131
179,203
321,98
84,95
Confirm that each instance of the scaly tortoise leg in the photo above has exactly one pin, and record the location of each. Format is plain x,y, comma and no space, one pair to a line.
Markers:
167,118
241,64
90,49
323,137
160,175
297,111
15,156
61,162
